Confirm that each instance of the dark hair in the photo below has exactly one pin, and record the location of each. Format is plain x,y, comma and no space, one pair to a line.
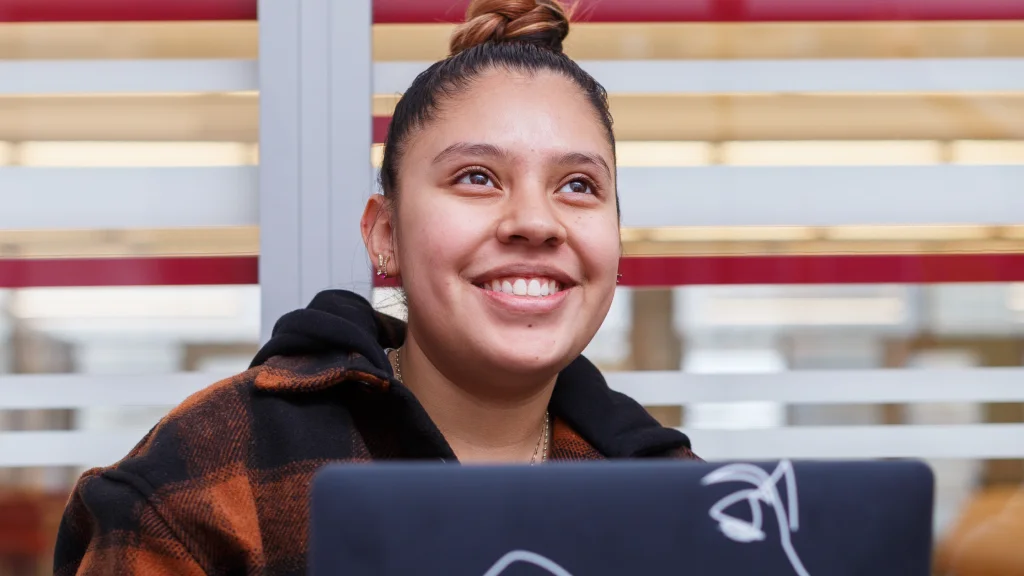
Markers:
515,35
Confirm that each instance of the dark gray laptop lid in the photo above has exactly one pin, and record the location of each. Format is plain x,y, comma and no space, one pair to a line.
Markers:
596,519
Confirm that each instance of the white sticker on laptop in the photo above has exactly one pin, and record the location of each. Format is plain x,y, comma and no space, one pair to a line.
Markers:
765,489
528,558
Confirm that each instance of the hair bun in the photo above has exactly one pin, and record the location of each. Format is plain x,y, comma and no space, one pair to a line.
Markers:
541,22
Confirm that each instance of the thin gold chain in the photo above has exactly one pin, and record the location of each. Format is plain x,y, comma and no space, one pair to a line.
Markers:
398,365
542,442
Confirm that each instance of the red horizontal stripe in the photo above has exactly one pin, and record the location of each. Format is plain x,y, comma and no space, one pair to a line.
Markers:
823,269
636,271
426,11
422,11
125,10
27,273
380,129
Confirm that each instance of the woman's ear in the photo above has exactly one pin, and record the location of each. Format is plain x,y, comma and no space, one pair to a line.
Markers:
378,233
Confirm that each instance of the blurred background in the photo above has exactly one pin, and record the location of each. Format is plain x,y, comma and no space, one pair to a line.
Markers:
823,211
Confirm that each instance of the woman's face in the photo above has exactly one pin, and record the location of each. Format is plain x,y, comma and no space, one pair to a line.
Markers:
507,235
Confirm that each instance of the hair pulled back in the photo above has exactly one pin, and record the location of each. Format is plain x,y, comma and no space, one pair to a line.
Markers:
523,36
542,23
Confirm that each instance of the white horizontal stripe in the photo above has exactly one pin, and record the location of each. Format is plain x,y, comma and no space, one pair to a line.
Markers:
618,76
56,391
824,387
97,448
857,442
126,76
821,196
58,448
651,197
43,198
717,76
46,391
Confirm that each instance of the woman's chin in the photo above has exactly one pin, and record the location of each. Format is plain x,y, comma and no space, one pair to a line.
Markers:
539,358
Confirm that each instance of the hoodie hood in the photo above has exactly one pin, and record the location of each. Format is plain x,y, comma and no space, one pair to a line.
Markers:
341,339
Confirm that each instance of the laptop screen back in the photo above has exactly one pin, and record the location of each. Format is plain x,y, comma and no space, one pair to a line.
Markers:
597,519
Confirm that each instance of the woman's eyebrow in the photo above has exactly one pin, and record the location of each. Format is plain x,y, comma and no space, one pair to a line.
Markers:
481,150
578,158
472,149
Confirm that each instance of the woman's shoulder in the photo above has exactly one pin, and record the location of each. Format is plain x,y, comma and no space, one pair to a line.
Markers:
276,415
252,440
207,426
266,417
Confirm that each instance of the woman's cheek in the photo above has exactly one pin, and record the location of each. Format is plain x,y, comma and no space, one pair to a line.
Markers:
444,236
599,247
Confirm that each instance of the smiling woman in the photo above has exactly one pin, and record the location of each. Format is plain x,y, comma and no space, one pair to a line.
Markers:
499,217
499,213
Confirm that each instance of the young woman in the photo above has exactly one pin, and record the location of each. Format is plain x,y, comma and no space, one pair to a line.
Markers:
499,214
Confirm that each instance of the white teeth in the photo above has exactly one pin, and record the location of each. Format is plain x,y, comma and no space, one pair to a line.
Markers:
538,287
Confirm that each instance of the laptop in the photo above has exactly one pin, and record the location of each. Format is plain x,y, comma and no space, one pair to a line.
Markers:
623,518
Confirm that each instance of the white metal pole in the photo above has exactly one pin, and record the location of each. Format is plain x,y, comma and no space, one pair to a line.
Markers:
315,136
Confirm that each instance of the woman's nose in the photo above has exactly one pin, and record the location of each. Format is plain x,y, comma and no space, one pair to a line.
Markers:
530,218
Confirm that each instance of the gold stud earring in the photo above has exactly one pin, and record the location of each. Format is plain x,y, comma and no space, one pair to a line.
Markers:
382,265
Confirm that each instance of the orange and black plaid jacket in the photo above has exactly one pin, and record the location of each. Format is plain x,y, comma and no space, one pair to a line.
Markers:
221,484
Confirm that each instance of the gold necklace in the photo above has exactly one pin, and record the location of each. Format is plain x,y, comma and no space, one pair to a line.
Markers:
544,433
396,363
542,441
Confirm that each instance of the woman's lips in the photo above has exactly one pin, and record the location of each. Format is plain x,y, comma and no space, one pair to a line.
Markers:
524,303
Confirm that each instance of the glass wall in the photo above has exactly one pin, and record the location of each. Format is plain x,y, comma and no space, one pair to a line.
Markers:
823,227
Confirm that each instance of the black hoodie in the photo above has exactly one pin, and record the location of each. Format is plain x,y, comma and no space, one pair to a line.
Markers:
611,422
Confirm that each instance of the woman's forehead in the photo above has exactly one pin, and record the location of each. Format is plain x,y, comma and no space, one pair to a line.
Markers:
520,114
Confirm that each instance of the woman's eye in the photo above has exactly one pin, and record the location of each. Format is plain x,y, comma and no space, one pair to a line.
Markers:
476,179
577,187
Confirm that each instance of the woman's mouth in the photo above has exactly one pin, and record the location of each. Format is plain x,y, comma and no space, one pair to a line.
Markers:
522,286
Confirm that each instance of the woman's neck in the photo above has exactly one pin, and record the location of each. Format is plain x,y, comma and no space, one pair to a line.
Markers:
479,424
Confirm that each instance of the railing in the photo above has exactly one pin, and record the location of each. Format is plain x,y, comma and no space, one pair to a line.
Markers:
713,196
98,447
